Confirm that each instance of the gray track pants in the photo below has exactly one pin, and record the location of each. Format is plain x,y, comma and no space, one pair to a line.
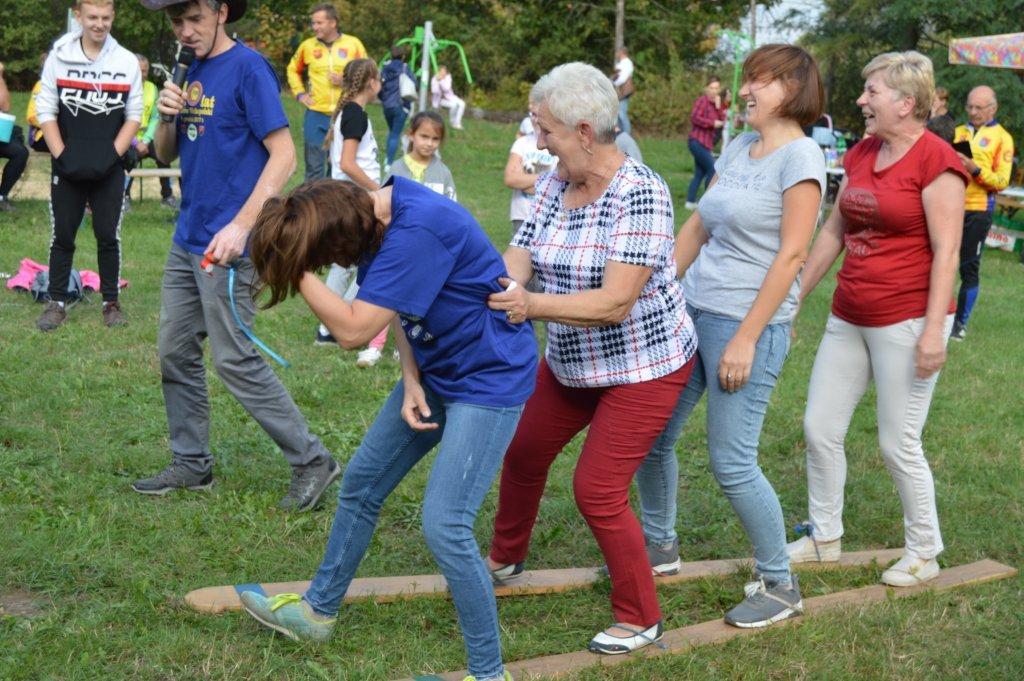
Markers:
193,306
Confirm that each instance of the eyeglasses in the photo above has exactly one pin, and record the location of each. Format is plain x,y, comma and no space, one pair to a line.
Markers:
982,107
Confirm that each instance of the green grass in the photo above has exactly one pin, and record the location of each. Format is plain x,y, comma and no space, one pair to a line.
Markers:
81,416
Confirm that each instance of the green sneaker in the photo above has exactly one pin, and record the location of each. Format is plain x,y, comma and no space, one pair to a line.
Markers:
289,615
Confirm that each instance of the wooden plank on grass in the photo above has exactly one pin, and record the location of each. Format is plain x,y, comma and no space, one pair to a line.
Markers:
218,599
681,640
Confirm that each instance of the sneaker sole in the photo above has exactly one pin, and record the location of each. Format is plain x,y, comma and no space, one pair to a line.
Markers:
164,490
323,488
666,569
785,614
609,651
270,625
812,559
365,364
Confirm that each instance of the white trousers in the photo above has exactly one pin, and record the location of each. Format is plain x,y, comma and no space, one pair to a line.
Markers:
849,356
456,107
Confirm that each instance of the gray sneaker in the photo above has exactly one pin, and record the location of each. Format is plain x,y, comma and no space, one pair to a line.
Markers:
175,476
53,316
664,560
766,603
308,485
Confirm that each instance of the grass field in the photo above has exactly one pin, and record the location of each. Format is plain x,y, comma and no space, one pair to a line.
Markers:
104,570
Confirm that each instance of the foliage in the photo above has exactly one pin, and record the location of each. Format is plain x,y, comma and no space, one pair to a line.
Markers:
850,32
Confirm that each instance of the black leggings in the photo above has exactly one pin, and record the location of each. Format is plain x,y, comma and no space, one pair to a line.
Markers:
17,158
67,207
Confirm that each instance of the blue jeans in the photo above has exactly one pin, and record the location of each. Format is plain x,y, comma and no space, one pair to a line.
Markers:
703,168
395,118
314,130
734,429
473,440
624,123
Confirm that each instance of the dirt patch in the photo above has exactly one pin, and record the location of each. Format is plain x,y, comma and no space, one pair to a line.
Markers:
19,603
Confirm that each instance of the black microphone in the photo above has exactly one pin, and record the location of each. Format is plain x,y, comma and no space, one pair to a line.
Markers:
186,55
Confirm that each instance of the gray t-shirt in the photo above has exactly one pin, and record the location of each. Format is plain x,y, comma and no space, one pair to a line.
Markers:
742,214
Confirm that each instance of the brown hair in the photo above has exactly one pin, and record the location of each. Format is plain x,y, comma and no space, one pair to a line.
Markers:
354,79
426,117
318,223
798,72
942,93
327,8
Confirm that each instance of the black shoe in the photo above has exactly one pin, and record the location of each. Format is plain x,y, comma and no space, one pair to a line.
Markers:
959,332
308,485
175,476
170,202
6,206
324,339
509,573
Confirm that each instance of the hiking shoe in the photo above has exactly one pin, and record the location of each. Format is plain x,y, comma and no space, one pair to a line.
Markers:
664,559
508,573
766,603
175,476
53,316
368,357
959,332
607,644
308,485
808,550
324,339
112,314
289,615
910,571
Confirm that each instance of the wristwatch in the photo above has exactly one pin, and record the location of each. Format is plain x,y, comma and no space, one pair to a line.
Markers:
976,172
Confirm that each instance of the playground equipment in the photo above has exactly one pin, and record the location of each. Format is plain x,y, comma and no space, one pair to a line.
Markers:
419,42
740,44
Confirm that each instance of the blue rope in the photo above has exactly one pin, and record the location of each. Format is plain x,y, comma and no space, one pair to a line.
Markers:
245,329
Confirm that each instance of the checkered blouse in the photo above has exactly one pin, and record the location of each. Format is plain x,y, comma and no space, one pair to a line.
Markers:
630,223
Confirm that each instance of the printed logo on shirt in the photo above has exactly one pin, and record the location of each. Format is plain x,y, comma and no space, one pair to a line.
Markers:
96,98
317,53
983,142
343,53
860,210
198,107
414,330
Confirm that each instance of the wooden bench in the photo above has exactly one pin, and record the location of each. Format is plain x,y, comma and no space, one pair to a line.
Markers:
35,182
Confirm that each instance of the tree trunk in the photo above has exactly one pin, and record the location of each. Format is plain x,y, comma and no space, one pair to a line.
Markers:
620,27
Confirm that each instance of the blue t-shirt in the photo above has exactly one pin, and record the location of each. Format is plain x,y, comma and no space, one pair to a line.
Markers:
232,102
436,268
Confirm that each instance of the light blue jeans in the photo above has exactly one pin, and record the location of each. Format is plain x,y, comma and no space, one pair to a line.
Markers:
734,429
624,124
473,440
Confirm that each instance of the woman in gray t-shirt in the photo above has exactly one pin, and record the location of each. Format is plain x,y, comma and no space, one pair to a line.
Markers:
741,252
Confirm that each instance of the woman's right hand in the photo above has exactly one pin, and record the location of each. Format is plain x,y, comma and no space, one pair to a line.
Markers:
415,407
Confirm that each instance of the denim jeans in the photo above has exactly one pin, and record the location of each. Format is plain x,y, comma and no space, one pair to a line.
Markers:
624,123
472,441
703,168
734,429
395,118
314,130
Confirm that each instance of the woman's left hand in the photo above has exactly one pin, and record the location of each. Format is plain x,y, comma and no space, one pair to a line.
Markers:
735,365
931,353
514,301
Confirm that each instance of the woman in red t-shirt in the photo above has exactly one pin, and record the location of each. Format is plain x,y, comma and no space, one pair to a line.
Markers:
900,218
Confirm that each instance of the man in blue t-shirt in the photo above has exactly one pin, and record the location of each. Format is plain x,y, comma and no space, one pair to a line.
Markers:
230,130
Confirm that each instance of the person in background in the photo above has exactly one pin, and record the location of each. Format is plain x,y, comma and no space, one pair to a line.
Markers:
740,253
940,108
526,163
353,157
443,96
13,150
321,60
627,145
624,88
236,153
899,218
990,166
89,108
143,141
421,162
706,119
943,127
396,109
35,133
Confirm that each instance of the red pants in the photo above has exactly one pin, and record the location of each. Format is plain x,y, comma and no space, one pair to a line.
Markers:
624,420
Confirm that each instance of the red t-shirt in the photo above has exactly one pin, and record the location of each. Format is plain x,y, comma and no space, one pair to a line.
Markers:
885,276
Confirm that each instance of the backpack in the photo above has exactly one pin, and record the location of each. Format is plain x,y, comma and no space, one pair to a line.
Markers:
41,285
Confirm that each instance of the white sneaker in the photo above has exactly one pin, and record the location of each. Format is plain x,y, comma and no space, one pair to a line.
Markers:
910,571
690,205
803,551
368,357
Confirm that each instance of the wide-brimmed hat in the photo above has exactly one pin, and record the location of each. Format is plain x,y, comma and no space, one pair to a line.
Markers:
236,8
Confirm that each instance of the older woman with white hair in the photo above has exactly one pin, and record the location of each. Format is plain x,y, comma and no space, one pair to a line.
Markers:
599,237
899,218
